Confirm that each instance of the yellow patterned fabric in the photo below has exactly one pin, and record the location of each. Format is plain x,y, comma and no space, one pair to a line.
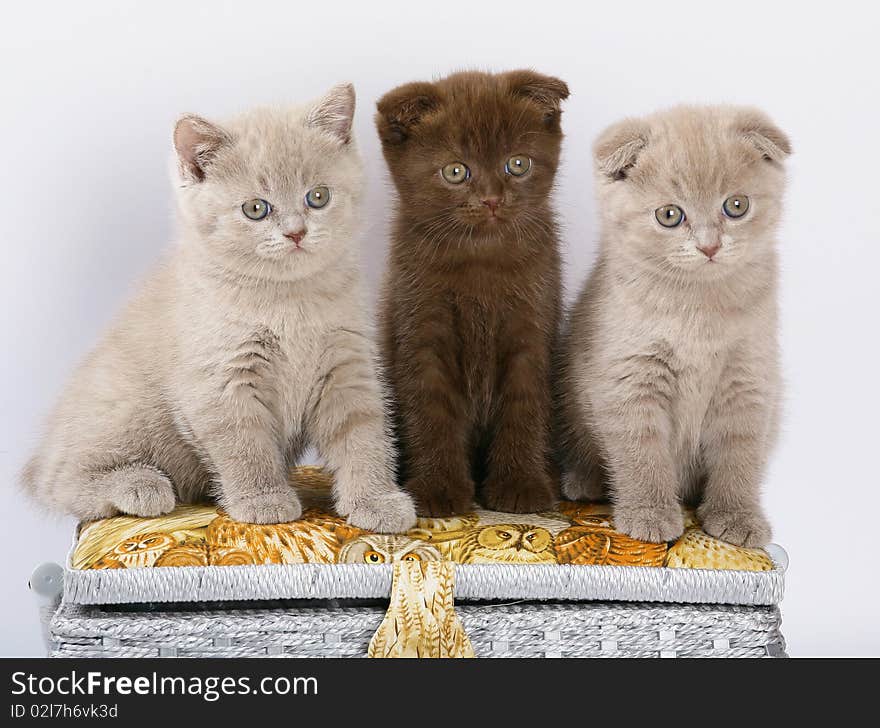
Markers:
575,533
421,619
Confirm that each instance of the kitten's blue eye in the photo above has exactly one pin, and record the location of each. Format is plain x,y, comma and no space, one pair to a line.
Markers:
256,209
669,216
518,165
318,197
455,173
736,206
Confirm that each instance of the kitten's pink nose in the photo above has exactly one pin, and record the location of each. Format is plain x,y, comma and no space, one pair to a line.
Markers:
296,237
709,250
493,203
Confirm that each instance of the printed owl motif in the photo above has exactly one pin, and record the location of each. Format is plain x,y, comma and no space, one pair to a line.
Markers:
198,553
311,478
138,551
185,554
598,544
698,550
442,533
314,486
592,513
551,522
441,525
512,543
229,557
421,619
576,510
316,538
376,548
98,539
592,540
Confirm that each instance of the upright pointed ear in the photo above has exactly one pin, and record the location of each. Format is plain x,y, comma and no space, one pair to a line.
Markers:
334,112
546,91
196,141
770,140
401,110
618,147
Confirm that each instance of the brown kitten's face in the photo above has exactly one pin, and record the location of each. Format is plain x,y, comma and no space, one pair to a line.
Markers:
479,163
700,200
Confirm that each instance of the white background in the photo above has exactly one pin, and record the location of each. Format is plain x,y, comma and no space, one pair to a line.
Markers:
90,90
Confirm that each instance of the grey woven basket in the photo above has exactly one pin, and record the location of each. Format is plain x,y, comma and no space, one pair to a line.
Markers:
522,629
506,610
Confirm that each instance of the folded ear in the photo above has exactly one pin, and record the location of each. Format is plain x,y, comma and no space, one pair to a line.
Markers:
401,110
334,112
546,91
196,141
619,146
770,140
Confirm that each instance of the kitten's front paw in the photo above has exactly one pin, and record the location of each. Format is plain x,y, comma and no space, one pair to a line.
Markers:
142,491
389,512
655,524
747,528
577,486
277,506
526,493
439,498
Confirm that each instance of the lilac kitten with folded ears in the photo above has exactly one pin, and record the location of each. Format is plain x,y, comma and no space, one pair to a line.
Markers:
247,343
670,386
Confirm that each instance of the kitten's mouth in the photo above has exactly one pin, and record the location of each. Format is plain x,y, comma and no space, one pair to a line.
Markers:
279,251
493,218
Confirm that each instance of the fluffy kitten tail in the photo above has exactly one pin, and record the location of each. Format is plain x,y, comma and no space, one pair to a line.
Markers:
27,479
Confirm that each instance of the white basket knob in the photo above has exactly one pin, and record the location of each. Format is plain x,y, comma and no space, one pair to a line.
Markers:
47,580
778,555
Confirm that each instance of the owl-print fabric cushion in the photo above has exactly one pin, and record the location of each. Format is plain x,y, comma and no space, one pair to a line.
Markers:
575,533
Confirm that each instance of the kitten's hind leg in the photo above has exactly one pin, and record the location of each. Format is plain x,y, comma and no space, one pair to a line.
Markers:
139,490
133,489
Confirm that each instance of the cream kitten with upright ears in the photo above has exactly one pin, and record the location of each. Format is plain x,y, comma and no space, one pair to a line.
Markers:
670,386
247,343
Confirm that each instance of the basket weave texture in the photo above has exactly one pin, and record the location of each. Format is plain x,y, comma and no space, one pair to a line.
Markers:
526,629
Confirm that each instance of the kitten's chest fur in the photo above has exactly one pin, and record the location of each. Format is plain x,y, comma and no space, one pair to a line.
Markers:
281,355
697,363
484,305
475,328
695,345
266,346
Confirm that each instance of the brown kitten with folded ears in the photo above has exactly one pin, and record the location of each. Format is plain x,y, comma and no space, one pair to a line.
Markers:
471,302
670,389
